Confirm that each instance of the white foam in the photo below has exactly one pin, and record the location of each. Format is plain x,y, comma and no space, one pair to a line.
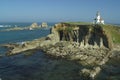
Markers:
5,25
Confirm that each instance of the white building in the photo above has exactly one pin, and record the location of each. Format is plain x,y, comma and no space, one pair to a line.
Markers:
98,19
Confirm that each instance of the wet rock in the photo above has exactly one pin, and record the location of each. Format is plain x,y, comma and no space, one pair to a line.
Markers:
89,74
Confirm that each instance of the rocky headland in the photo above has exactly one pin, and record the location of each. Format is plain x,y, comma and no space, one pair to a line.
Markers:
90,45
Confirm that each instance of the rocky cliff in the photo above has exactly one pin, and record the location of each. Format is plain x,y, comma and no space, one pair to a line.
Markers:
87,44
86,35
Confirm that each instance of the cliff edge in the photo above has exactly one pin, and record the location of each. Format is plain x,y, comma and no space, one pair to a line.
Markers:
87,35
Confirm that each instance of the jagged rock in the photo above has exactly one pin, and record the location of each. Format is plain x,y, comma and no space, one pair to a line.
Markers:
86,35
34,25
84,57
91,56
94,72
90,60
54,36
44,24
89,74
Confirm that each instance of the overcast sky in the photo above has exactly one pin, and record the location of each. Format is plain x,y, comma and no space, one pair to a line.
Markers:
58,10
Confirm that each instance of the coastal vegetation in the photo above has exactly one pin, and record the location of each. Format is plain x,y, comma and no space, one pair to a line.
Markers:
114,31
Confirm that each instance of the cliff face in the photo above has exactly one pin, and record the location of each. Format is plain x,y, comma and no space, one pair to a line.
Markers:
86,35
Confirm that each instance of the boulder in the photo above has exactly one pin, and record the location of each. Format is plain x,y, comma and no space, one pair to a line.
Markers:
89,74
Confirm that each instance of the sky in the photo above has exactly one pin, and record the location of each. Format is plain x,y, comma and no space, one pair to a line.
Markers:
58,10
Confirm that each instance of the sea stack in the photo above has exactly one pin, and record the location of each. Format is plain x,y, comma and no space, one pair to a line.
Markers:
44,24
34,25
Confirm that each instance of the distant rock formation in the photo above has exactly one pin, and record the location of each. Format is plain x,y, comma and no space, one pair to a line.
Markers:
34,25
44,24
31,27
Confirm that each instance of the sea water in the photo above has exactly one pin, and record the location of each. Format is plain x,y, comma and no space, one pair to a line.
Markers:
21,35
35,67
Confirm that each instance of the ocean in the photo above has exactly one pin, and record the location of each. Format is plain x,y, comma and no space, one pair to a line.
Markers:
24,35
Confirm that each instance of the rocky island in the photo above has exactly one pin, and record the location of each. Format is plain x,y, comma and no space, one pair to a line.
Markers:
91,45
33,26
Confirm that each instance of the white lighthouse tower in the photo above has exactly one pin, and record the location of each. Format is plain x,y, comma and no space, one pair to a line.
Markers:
98,19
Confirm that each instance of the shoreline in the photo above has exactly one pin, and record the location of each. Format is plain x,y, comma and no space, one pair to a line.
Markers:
95,56
94,62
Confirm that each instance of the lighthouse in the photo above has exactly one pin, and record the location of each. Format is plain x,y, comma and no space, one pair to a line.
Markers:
98,19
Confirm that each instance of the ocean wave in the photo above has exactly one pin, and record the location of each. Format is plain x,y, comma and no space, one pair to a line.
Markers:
5,25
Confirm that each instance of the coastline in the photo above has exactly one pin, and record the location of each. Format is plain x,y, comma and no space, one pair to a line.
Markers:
61,50
93,56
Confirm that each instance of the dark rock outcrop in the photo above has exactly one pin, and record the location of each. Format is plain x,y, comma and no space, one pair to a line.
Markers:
86,35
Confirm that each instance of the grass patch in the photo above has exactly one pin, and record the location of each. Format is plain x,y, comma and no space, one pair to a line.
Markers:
79,23
114,31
